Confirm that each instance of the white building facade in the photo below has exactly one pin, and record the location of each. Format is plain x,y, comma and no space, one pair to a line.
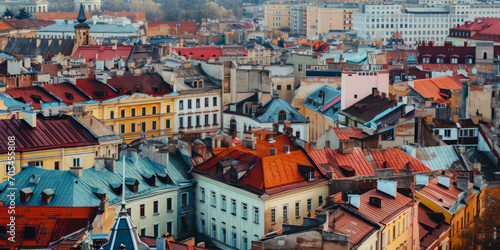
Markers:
378,22
198,111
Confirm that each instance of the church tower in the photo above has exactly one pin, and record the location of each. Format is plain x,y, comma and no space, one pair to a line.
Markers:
82,29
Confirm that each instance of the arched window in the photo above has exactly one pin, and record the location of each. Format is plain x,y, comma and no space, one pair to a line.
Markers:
153,110
232,126
195,83
143,111
282,115
132,111
485,55
122,113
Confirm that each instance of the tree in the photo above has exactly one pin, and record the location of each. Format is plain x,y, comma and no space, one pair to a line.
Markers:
62,5
23,14
152,9
115,5
9,13
480,233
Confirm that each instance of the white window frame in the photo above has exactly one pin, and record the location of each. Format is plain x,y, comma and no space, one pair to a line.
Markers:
78,160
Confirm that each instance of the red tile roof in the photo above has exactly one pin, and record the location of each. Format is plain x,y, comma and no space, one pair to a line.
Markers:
402,55
391,207
134,16
52,69
485,29
48,133
364,162
430,88
441,195
148,83
67,92
441,67
261,172
97,90
4,25
53,223
395,158
344,222
431,225
346,133
200,53
102,52
27,23
31,94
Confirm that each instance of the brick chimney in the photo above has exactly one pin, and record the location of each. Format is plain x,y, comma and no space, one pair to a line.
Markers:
78,171
29,117
346,146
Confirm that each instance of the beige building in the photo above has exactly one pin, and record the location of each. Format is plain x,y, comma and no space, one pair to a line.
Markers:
320,20
277,16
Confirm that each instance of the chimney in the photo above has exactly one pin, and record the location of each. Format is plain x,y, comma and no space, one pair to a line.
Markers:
376,93
463,183
421,180
478,181
428,119
387,187
477,167
29,117
392,97
287,149
476,120
99,164
455,118
272,151
444,181
276,126
384,95
78,171
346,146
353,200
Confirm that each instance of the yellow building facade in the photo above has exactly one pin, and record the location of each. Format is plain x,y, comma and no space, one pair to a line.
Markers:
320,20
277,16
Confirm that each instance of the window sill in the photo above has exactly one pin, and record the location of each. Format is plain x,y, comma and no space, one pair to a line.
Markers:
213,206
202,201
155,214
244,218
170,211
223,210
256,222
143,217
233,214
297,217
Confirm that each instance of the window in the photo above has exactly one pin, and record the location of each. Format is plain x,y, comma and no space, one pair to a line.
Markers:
202,194
206,120
297,209
155,207
167,124
122,129
300,67
181,122
202,226
214,200
389,237
169,204
288,87
278,87
142,210
132,127
77,162
285,212
156,230
244,211
215,119
198,124
244,243
56,165
143,231
320,200
233,239
143,127
122,113
233,206
168,108
189,121
447,133
112,115
223,235
439,60
143,111
170,228
256,215
198,103
132,112
485,55
214,230
454,60
214,101
223,202
282,115
30,232
181,105
309,205
426,60
153,125
206,102
153,110
184,200
273,215
190,104
404,223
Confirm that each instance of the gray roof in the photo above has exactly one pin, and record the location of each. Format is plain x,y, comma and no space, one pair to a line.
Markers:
29,47
437,158
273,107
72,191
94,28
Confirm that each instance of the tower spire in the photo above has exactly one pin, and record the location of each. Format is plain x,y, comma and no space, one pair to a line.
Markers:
81,15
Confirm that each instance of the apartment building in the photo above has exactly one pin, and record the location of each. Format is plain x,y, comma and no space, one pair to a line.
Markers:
277,16
320,20
378,22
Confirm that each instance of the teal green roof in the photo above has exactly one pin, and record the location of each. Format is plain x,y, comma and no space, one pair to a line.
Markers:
72,191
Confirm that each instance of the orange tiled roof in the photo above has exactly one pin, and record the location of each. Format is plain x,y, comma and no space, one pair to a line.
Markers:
391,207
4,25
441,195
430,88
395,158
262,172
342,221
347,132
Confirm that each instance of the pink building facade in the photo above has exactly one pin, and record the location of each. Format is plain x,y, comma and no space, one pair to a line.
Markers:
360,84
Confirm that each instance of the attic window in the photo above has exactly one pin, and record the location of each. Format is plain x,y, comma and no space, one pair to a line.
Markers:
99,192
282,115
132,184
101,93
26,194
36,98
306,171
69,96
163,177
375,201
150,179
116,187
233,175
47,195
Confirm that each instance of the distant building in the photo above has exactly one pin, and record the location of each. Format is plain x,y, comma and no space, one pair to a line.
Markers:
88,5
30,6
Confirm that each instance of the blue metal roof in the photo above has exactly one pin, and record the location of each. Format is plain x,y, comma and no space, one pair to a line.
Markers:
13,104
274,106
329,94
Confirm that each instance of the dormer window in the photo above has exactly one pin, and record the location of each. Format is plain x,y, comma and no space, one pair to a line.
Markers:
132,184
25,194
163,177
307,172
47,195
426,60
282,115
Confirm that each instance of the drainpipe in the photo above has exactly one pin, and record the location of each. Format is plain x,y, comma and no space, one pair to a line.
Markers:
62,158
